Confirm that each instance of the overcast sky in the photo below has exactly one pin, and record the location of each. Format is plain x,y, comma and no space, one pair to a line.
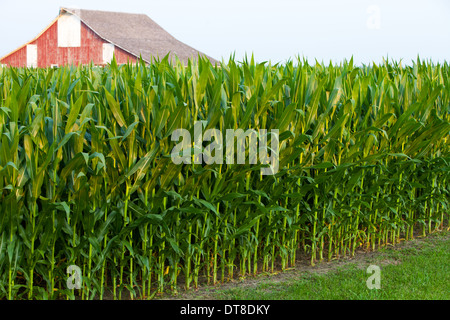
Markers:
325,30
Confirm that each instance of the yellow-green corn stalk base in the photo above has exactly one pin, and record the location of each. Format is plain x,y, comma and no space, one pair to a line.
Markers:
87,180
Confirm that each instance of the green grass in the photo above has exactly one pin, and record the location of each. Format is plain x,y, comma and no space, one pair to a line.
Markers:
419,270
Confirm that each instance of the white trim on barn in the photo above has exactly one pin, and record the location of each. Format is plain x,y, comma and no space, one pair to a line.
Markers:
108,52
32,56
69,31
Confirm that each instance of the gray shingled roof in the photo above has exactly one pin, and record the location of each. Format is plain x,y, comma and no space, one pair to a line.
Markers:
136,34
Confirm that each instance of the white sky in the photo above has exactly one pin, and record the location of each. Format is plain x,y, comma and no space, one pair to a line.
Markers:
273,30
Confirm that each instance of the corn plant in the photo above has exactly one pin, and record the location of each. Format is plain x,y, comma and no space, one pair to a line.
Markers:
87,179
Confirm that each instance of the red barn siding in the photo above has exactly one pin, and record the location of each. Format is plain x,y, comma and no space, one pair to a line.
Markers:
123,57
91,50
18,58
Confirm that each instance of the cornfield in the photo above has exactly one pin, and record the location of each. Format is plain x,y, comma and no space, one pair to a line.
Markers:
86,176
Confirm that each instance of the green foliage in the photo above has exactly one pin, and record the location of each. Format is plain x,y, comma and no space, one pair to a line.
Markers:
86,176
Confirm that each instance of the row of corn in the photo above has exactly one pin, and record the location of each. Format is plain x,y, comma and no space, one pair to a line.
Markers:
87,178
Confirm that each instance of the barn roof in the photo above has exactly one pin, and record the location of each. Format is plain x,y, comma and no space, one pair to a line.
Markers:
135,33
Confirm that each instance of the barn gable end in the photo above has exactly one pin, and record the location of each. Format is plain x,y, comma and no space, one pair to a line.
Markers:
72,49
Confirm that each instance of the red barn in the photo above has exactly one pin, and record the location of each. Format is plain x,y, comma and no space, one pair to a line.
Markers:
85,36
